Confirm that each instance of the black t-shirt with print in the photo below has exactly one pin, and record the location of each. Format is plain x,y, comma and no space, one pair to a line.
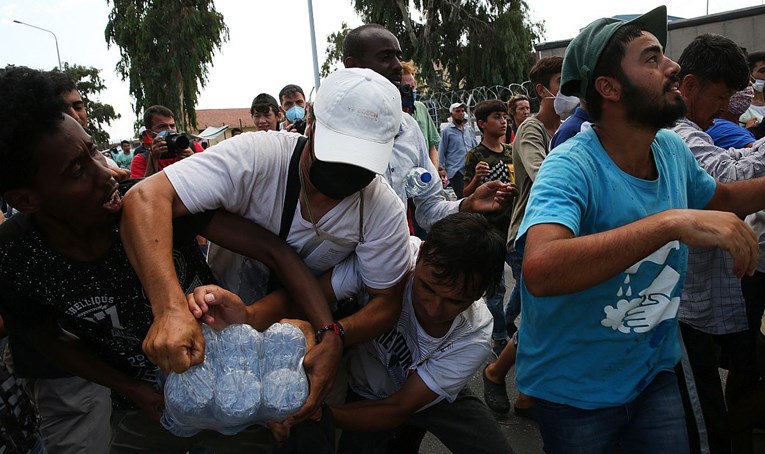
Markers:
101,302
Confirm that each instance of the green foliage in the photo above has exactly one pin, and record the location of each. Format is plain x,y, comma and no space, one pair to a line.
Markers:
455,43
90,85
166,47
334,53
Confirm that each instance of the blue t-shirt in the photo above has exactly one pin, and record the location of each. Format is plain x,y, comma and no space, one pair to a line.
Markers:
570,127
602,346
727,134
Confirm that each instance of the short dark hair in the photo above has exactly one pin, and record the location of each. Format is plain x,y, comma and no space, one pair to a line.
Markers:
235,131
465,246
755,57
610,65
31,110
290,90
486,108
125,141
148,115
60,82
544,70
715,59
354,44
263,103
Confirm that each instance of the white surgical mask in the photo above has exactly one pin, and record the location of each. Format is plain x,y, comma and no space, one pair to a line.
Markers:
758,84
565,105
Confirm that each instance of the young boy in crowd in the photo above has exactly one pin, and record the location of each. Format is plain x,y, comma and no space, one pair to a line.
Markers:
493,160
416,373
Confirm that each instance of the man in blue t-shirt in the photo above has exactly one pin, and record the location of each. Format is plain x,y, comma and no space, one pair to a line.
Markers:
604,242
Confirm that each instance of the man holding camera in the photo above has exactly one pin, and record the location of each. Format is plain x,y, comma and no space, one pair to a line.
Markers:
293,108
166,147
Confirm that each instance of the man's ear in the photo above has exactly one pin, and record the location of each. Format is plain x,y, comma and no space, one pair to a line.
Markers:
23,200
688,84
349,62
539,88
609,88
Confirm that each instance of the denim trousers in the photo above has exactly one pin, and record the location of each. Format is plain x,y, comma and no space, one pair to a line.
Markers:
513,308
653,422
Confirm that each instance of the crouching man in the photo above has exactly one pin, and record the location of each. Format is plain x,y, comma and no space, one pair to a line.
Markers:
417,372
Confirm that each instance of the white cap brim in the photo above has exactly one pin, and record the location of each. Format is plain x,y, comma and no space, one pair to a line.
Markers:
332,146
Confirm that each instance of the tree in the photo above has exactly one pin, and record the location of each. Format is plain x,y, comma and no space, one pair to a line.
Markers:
166,47
90,85
456,43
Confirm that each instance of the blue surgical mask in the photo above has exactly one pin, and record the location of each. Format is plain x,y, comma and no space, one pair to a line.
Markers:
295,113
758,85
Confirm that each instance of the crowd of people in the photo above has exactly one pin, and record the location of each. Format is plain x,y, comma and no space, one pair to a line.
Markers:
618,206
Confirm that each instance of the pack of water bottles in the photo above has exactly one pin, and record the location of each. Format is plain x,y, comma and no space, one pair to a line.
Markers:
247,377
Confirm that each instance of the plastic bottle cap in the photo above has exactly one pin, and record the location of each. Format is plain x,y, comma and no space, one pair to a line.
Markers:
426,177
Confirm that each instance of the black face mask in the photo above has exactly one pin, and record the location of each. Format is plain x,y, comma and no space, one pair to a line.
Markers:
338,180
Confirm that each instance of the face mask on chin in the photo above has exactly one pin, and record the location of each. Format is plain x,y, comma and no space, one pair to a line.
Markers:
758,85
338,180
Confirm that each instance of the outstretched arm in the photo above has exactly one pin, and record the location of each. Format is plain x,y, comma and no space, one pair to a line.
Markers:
555,262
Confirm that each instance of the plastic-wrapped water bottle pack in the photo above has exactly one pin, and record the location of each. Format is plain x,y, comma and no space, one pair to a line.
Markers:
247,377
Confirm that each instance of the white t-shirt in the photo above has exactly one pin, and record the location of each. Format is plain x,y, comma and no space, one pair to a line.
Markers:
379,368
409,151
247,175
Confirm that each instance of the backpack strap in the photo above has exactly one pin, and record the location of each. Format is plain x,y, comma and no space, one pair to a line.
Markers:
292,193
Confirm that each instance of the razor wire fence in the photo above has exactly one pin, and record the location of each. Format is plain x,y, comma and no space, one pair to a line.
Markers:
438,103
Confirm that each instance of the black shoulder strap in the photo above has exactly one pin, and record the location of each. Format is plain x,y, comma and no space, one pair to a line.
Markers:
293,189
291,195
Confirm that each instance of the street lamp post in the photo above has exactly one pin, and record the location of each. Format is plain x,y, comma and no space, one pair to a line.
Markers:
45,30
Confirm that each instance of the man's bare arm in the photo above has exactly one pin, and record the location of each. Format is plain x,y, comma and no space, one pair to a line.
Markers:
384,414
377,316
555,262
174,340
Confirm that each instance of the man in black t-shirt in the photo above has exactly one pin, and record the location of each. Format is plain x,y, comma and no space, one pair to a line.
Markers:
63,268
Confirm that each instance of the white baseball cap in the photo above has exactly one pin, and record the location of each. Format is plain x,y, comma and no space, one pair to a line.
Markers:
358,114
454,106
141,131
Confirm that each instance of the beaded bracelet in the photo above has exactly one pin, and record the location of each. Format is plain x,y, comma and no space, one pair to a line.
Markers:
334,327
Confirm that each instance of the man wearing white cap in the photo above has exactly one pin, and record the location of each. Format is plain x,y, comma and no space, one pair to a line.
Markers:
340,206
456,140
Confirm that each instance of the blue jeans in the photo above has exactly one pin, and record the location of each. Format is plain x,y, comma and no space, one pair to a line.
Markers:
652,423
496,305
513,308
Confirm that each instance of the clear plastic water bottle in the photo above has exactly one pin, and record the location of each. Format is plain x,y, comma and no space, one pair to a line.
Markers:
417,182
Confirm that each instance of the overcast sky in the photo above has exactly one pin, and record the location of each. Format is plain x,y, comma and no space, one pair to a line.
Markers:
269,44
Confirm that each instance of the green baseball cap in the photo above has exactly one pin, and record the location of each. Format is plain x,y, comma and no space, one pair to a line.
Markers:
584,51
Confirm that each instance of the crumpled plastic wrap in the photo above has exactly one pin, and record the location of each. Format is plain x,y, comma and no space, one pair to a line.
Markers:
247,378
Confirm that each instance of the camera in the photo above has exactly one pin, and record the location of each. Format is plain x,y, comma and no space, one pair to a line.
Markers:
407,97
299,125
176,141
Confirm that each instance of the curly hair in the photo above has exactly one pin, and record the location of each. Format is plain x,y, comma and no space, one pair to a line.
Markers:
31,110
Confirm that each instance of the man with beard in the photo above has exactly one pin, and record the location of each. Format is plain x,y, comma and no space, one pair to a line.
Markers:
604,241
712,312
